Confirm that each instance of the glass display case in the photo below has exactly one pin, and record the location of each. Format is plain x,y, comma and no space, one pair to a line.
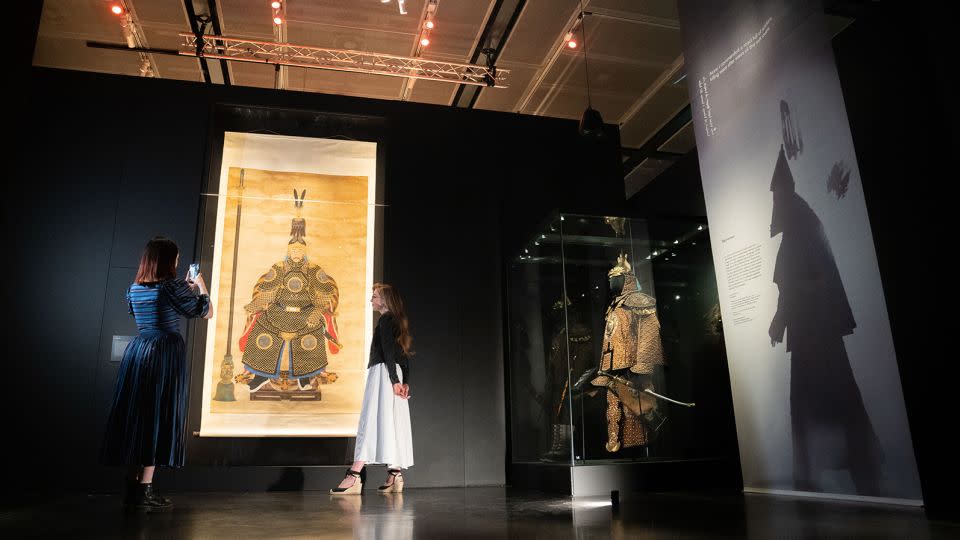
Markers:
615,344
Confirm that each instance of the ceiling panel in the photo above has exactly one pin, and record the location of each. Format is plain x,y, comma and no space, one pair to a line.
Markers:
81,20
162,36
251,19
505,99
458,25
607,75
661,107
438,93
571,102
295,79
250,74
662,9
542,24
151,11
362,14
643,174
67,53
337,37
353,84
180,68
640,42
682,142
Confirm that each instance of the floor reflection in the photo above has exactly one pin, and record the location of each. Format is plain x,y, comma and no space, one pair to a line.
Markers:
471,513
385,520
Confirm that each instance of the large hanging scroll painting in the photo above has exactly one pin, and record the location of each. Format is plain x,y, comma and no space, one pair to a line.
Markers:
292,271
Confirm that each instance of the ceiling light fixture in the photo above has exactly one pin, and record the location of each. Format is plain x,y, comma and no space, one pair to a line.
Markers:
427,24
591,123
277,7
131,34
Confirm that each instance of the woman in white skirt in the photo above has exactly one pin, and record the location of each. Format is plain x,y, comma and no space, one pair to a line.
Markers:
383,435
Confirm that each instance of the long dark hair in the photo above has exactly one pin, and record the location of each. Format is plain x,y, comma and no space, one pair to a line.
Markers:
158,262
391,297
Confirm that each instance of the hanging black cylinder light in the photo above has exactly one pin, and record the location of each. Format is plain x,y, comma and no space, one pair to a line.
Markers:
591,123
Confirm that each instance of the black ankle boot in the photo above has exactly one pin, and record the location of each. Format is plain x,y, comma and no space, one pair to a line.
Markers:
145,498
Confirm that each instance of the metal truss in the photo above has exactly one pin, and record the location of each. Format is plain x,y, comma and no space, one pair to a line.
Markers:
286,54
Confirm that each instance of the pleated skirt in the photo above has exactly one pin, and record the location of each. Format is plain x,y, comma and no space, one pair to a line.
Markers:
384,434
148,415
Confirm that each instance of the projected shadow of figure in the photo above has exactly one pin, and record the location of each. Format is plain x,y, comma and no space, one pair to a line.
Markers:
826,407
792,139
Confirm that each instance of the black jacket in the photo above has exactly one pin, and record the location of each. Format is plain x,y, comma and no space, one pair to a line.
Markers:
385,350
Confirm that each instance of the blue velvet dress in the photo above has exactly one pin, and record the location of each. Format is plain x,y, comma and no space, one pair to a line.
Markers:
148,415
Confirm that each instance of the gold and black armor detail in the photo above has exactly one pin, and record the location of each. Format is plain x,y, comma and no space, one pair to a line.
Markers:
631,343
308,342
291,300
264,341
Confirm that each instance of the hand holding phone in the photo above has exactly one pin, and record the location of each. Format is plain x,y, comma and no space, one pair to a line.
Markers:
193,272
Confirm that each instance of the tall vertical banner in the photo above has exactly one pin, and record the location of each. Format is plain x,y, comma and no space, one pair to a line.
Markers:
817,396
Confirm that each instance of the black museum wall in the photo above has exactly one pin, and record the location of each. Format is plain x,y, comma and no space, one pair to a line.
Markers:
905,134
104,162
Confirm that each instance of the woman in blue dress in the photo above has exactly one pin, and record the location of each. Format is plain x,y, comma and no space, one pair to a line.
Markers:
148,414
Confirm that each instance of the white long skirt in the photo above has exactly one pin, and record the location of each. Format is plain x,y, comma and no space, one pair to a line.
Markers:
384,435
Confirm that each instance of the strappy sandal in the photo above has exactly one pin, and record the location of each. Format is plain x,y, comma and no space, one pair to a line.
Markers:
393,487
354,489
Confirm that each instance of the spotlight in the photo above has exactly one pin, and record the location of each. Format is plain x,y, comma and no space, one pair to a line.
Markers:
570,40
428,25
277,6
425,42
116,9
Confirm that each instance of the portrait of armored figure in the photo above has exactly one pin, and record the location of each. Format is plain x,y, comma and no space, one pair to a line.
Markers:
290,236
291,324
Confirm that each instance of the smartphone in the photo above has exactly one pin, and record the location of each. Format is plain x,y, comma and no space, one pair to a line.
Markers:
193,271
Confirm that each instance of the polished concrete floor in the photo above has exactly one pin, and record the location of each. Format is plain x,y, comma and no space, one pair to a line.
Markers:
470,513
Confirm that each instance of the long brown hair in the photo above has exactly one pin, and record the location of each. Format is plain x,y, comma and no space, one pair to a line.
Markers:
158,262
395,306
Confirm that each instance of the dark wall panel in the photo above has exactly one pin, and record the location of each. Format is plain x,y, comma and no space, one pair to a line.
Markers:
105,162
